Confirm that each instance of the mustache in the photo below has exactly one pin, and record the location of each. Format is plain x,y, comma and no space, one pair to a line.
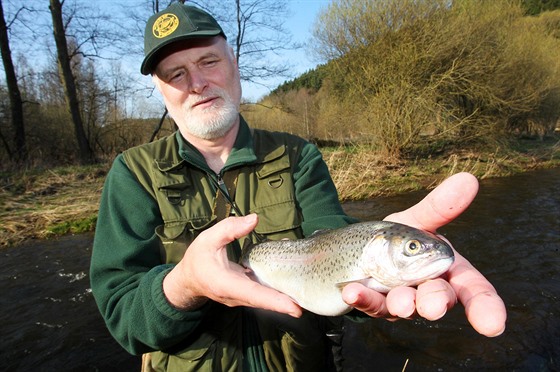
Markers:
209,95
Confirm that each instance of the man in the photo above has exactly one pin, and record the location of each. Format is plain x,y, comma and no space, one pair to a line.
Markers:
164,271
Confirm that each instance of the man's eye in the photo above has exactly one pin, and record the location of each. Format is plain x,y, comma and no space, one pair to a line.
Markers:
209,63
176,76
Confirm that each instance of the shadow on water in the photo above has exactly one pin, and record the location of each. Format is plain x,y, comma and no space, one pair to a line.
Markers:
511,233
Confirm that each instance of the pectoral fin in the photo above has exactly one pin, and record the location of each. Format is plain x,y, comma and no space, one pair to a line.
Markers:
363,281
367,282
319,232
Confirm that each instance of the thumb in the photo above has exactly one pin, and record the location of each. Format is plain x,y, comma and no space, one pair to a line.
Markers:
229,229
442,205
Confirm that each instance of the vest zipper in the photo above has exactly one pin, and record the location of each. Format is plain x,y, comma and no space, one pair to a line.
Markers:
220,184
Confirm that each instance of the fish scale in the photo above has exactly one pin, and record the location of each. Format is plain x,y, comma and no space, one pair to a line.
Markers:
379,254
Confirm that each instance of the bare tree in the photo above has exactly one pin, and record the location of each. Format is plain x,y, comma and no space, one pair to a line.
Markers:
69,82
16,102
260,30
255,30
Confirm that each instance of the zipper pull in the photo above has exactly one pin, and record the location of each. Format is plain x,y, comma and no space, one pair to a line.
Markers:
222,186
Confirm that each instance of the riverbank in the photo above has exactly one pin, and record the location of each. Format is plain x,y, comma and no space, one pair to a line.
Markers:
43,203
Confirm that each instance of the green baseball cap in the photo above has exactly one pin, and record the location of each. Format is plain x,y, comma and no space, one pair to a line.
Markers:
175,23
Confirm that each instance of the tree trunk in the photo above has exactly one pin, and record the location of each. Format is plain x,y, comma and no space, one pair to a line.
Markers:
69,83
16,103
160,124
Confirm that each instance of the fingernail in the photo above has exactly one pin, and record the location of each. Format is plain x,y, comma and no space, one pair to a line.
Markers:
250,218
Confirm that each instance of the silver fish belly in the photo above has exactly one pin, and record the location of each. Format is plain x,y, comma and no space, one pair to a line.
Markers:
381,255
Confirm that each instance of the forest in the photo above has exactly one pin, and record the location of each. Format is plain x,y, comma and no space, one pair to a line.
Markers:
400,77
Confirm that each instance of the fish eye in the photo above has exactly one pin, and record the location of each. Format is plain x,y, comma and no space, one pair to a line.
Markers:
412,246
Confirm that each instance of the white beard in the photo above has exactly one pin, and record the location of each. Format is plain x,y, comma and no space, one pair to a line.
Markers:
212,122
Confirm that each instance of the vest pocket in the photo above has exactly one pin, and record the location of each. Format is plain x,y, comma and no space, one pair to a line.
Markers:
200,355
217,348
176,237
275,220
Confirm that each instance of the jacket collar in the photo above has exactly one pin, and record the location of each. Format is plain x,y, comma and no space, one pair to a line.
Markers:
243,151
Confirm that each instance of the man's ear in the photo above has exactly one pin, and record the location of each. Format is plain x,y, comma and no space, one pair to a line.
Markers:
156,81
232,55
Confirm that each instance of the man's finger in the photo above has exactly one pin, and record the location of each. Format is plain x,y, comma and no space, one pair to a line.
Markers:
443,204
262,297
434,298
364,299
401,302
485,310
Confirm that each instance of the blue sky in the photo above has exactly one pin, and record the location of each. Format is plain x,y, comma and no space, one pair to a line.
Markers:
303,14
299,24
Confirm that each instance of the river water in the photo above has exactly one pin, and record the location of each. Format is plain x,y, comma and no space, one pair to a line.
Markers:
511,234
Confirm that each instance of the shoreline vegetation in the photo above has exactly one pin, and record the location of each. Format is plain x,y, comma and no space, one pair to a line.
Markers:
46,203
397,106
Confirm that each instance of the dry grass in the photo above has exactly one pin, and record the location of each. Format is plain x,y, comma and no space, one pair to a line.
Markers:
363,174
359,173
41,204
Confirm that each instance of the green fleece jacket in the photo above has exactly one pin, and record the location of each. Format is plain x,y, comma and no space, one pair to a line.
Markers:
126,268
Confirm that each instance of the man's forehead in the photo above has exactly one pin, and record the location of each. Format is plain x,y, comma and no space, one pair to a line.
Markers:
198,46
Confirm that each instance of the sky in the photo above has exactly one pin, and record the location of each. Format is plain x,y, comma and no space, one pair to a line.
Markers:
299,24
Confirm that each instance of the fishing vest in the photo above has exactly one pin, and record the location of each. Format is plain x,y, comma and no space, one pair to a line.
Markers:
187,202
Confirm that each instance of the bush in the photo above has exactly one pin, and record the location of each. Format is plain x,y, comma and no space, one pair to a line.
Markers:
405,72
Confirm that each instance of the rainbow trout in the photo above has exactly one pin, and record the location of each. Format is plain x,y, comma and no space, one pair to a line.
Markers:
380,255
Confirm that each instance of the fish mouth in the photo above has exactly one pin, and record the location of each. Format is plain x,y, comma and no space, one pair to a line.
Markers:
428,268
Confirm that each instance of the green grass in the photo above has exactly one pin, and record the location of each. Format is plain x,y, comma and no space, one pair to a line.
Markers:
73,227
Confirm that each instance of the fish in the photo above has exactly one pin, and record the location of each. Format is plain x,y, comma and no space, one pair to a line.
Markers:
378,254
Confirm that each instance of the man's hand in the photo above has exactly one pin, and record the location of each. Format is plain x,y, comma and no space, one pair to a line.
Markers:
485,310
206,273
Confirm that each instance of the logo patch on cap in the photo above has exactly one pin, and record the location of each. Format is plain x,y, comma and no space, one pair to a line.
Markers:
165,25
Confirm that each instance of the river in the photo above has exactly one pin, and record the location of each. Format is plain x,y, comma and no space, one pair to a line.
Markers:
511,233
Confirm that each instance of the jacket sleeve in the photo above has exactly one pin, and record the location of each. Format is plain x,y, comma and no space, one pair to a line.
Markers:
126,272
316,193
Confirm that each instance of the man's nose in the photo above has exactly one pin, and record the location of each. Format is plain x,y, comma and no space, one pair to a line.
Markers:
197,81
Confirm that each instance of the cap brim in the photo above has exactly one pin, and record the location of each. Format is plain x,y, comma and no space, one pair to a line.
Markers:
148,63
